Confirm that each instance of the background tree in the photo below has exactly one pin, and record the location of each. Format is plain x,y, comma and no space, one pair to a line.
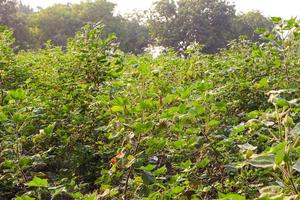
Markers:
247,23
163,25
175,24
11,15
134,35
60,22
211,23
208,22
56,23
8,10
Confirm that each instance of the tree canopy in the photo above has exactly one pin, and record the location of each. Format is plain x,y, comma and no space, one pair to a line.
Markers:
171,24
212,23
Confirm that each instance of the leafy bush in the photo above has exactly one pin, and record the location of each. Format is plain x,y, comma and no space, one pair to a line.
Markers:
89,122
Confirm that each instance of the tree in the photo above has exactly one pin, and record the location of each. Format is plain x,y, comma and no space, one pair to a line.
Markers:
208,22
163,25
211,23
247,23
8,10
60,22
56,23
12,16
25,9
134,35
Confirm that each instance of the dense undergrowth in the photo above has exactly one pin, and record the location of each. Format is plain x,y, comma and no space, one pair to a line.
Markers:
89,122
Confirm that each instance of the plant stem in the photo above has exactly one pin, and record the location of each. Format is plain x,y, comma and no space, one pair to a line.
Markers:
138,142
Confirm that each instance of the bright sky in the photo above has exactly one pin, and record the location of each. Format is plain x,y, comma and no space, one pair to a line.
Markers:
282,8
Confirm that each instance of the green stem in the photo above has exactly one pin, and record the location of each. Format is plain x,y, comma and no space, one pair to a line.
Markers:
137,144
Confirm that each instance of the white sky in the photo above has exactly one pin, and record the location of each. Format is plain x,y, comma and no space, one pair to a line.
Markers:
282,8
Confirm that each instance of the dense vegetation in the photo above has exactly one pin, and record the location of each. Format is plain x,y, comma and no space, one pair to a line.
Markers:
211,23
90,122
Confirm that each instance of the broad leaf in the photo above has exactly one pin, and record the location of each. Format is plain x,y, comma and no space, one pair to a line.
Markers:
148,167
177,189
273,192
38,182
25,197
231,196
91,197
148,178
263,161
117,109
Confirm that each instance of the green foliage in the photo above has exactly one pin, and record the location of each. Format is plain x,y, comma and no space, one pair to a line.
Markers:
88,122
171,24
60,22
12,16
247,24
212,24
37,182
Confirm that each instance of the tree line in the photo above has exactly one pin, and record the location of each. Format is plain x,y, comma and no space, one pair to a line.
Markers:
169,23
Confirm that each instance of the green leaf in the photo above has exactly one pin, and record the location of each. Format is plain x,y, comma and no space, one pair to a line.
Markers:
91,197
3,117
179,144
252,115
276,20
148,168
203,163
262,84
131,160
238,129
231,196
148,178
263,161
155,144
144,69
177,190
8,164
18,94
185,93
115,109
77,195
297,35
278,147
140,127
279,157
114,192
18,117
199,108
279,151
49,129
38,182
160,171
282,103
24,161
25,197
213,123
186,165
260,30
291,22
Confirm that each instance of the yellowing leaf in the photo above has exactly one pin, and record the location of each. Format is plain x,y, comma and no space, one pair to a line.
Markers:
115,109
